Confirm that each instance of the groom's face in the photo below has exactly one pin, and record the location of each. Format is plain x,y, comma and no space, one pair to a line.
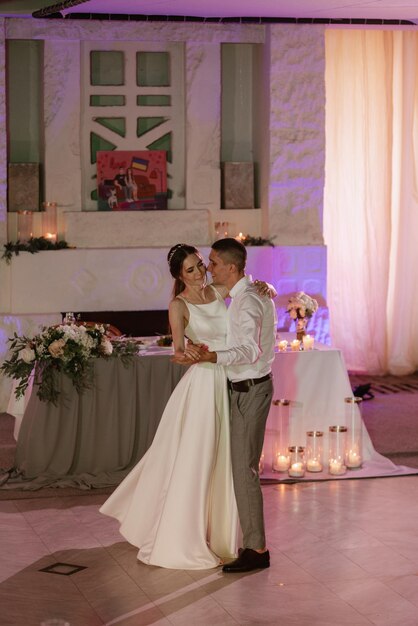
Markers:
220,270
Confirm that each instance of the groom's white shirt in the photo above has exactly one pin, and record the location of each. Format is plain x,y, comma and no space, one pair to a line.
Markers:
250,338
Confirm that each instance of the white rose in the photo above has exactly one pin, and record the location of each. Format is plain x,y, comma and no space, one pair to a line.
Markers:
27,355
293,314
106,346
56,348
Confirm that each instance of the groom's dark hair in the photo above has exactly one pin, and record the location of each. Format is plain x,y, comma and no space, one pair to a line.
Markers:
231,251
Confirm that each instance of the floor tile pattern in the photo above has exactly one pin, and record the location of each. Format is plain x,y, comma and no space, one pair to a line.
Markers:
343,553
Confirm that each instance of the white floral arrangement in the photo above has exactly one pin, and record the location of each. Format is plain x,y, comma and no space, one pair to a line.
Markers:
301,306
67,348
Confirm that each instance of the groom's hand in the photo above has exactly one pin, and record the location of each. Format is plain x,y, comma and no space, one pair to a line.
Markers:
192,354
201,356
194,350
208,357
199,353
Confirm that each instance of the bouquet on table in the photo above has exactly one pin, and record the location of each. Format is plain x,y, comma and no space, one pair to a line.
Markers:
300,308
67,348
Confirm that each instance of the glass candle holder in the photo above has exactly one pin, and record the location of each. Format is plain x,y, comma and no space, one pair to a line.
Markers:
282,345
308,342
314,450
49,220
69,318
295,345
354,423
337,447
297,461
221,230
280,416
225,229
24,225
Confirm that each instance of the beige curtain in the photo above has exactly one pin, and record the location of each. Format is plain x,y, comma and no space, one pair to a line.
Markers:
371,199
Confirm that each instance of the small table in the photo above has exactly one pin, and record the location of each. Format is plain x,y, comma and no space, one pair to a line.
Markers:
316,383
93,439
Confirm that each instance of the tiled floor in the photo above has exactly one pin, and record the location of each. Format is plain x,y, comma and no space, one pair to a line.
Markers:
342,553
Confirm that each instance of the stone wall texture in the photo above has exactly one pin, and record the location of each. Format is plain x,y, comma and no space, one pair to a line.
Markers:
203,134
297,133
295,121
62,124
3,136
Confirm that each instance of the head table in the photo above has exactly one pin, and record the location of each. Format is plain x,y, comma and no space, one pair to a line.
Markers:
94,439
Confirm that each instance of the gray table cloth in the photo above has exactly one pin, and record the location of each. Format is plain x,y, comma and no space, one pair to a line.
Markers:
93,439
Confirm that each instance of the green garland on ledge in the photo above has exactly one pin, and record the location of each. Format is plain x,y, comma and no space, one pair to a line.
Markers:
249,240
34,245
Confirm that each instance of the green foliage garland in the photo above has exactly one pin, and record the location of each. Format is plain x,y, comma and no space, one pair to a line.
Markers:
34,245
249,240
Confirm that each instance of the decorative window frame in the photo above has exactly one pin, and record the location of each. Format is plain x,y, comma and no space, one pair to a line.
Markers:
174,115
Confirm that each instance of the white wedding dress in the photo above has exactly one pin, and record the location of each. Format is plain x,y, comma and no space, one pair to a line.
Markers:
177,505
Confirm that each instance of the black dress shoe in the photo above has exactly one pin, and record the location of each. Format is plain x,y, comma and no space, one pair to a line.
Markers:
247,561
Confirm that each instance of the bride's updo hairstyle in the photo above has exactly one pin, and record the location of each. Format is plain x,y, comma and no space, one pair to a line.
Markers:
175,259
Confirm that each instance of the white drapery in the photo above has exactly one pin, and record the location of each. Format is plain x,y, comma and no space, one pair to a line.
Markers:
371,197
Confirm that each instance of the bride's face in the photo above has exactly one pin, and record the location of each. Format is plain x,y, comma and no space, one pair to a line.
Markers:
193,272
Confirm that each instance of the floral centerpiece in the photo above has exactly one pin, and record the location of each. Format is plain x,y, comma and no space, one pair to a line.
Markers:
300,308
67,348
165,340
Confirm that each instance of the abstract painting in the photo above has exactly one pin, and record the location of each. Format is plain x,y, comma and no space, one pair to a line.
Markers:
132,180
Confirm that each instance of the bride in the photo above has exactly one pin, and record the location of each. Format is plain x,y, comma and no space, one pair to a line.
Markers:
177,505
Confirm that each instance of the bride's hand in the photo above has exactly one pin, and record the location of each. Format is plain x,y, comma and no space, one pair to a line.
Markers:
182,359
265,289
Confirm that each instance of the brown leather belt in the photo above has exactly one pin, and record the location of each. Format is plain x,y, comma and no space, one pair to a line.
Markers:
244,385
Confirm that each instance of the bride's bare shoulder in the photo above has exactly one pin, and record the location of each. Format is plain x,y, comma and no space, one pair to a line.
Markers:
176,305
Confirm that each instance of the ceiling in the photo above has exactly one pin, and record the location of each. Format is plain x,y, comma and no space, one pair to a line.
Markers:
332,9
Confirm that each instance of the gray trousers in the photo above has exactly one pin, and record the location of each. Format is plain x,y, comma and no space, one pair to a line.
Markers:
249,411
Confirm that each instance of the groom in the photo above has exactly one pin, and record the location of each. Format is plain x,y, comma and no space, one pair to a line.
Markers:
251,324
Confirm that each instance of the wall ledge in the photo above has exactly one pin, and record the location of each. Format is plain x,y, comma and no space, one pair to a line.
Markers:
134,229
